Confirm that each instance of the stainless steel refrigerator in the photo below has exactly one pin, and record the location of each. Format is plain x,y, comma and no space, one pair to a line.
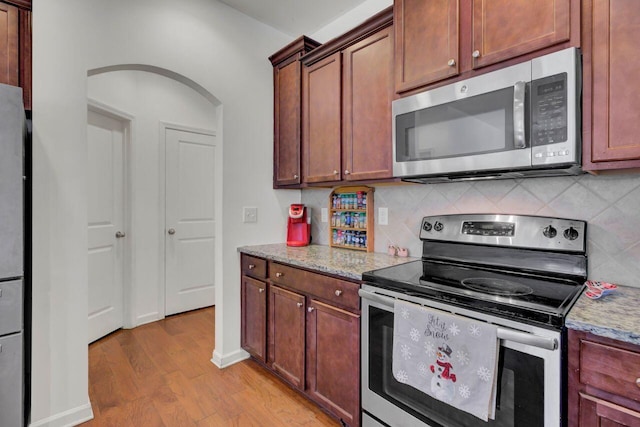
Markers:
12,136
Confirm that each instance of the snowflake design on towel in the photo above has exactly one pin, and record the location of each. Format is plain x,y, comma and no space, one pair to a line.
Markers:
454,329
464,391
402,376
414,334
484,374
429,348
423,369
405,351
474,330
404,312
463,357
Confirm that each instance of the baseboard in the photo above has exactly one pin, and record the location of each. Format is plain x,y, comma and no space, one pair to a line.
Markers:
147,318
69,418
223,361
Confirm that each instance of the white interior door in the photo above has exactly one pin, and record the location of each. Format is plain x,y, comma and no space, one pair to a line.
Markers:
190,220
105,171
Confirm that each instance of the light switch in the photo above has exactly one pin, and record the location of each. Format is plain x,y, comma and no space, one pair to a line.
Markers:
383,216
324,215
249,214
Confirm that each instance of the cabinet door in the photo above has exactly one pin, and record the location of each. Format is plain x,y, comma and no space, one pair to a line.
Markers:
287,82
9,45
427,42
321,123
612,64
287,334
254,317
504,29
333,360
596,412
367,96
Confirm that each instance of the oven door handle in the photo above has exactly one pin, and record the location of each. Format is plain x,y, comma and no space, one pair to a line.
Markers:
503,334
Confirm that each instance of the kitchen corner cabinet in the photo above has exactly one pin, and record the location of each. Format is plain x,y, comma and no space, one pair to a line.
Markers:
287,86
15,46
611,30
604,381
254,306
347,89
312,332
439,39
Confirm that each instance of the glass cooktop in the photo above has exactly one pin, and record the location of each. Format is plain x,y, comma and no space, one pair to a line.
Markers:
510,294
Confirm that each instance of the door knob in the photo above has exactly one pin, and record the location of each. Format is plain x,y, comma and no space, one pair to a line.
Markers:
119,234
172,231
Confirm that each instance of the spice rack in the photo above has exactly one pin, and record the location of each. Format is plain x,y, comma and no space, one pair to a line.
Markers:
351,218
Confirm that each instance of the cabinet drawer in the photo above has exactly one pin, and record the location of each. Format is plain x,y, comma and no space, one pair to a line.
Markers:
610,369
336,291
254,267
10,307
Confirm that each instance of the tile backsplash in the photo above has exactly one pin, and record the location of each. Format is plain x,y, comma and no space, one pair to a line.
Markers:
609,204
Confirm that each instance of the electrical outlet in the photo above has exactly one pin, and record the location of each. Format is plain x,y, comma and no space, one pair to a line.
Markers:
249,214
383,216
324,215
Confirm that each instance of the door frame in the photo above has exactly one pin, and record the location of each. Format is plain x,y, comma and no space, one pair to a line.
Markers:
162,169
128,121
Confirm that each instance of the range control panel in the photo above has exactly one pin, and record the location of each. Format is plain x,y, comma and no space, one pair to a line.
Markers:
524,231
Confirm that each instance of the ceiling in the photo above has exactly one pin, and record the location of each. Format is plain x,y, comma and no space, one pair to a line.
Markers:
294,17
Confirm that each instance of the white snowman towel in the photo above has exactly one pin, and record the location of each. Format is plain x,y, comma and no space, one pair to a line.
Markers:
449,357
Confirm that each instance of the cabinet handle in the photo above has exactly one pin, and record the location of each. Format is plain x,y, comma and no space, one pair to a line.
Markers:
338,292
346,172
476,54
310,309
261,290
451,62
299,304
252,266
279,274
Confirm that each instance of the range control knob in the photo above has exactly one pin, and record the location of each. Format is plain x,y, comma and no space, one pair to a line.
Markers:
571,233
426,226
549,231
438,226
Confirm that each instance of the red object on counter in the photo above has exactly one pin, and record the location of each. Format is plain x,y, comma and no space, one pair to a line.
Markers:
298,226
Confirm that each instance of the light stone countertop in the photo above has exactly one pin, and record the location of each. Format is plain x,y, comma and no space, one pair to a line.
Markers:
614,316
341,262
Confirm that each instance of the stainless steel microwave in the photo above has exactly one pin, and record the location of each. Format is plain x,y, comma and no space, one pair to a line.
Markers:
523,120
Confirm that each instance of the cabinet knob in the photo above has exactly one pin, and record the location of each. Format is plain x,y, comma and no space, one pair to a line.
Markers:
120,234
279,274
252,266
310,309
299,304
261,290
171,231
338,292
335,172
346,172
295,176
451,62
476,54
638,382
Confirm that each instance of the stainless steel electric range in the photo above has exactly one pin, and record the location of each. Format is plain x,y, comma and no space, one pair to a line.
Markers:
520,273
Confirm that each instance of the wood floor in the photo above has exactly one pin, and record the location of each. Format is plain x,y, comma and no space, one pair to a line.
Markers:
160,374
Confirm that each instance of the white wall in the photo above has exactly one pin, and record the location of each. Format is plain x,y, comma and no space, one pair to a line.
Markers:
150,99
202,40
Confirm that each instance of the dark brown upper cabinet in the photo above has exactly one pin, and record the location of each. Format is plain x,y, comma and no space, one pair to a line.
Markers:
15,46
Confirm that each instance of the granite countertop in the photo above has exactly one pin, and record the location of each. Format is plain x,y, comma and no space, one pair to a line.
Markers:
613,316
341,262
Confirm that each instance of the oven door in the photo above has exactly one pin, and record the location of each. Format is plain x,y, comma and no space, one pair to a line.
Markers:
529,375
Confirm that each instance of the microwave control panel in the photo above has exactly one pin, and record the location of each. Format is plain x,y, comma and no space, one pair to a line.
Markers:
549,104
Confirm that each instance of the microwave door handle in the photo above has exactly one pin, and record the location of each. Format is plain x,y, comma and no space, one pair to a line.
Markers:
518,115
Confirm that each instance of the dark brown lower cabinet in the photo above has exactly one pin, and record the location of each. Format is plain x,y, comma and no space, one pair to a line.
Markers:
604,382
312,332
286,334
333,340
